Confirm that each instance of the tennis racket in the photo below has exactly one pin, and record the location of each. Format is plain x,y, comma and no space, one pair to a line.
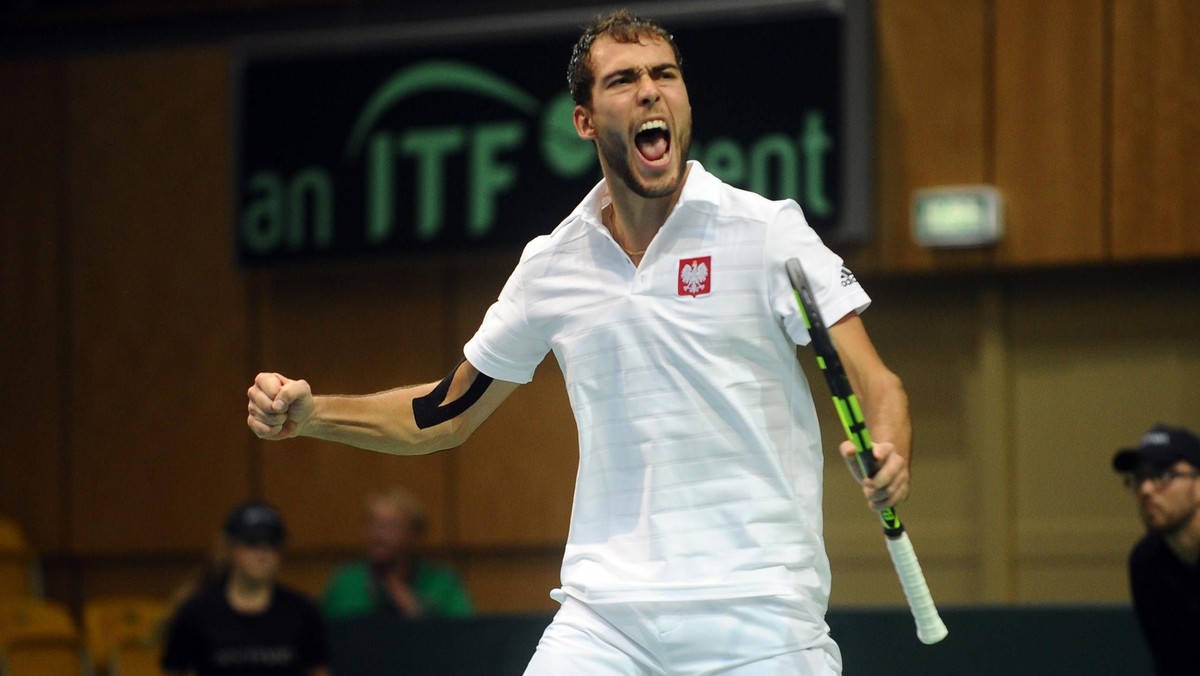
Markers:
930,628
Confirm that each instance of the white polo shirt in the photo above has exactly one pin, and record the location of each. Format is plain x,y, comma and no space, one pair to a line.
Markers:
700,457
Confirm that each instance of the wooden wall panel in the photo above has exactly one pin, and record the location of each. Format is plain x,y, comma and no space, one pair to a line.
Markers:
163,331
931,99
309,572
157,577
1049,116
352,328
1075,578
1096,361
158,323
931,334
516,477
865,583
32,455
513,582
1156,132
320,487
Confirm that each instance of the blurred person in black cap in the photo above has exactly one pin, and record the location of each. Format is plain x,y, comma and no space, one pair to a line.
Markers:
239,620
1164,567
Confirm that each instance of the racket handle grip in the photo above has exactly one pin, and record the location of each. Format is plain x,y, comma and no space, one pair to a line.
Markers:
868,463
930,628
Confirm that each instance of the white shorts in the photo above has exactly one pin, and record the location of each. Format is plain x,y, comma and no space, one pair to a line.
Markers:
760,636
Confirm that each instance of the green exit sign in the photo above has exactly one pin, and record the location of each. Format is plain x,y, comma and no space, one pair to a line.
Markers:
957,216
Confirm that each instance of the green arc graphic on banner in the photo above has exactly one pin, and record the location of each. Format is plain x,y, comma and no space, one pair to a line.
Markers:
469,143
435,75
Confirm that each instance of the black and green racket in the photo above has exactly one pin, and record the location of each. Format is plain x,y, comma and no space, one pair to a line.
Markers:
930,628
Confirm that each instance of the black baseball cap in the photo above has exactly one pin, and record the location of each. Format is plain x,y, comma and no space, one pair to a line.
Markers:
1161,446
255,523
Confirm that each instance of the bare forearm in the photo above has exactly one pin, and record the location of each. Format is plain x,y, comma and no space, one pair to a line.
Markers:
885,405
880,391
378,422
281,408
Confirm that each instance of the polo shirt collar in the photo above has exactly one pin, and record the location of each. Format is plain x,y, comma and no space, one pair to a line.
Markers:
701,191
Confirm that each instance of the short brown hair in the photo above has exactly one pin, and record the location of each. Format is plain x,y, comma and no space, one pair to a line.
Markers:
404,501
622,26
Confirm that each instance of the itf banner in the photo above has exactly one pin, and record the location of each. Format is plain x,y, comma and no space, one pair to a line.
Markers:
428,140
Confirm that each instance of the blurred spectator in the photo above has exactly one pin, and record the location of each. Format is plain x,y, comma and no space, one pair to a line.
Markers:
394,578
239,620
1164,567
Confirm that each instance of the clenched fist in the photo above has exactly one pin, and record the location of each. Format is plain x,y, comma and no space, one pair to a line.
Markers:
279,406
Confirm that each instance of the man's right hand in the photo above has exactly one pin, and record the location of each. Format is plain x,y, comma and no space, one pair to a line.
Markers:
279,406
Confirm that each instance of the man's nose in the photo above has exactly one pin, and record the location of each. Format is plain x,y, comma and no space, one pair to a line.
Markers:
648,92
1145,485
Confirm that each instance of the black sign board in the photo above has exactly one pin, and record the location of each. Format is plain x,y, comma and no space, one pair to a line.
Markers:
421,145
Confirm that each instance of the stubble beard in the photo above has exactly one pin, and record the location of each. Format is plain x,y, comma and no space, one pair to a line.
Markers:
617,158
1171,524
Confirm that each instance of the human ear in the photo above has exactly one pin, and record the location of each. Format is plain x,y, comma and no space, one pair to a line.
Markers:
582,117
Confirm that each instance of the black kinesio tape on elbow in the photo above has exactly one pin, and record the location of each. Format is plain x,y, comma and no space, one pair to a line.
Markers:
429,409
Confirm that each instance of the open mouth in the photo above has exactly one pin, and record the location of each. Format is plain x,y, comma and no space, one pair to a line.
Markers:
653,140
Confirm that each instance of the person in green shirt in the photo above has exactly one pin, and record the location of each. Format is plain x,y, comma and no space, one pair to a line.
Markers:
393,578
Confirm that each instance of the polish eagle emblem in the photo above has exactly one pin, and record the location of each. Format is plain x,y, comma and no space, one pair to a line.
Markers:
694,276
